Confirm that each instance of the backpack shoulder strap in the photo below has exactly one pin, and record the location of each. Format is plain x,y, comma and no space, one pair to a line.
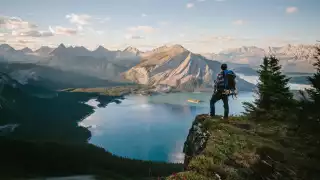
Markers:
224,72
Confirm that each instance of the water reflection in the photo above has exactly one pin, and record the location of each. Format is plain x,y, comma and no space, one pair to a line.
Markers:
149,128
181,109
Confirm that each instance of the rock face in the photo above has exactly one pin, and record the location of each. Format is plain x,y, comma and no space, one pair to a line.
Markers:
177,67
196,140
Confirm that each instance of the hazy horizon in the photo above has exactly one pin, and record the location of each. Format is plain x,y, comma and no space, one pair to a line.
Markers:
142,50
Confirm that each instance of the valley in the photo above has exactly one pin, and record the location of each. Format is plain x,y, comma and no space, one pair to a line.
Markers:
47,131
70,99
163,67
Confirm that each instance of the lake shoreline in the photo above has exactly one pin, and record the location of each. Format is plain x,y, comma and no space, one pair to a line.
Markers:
165,117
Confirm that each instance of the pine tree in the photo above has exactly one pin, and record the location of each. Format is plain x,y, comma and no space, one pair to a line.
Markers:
274,98
312,104
281,94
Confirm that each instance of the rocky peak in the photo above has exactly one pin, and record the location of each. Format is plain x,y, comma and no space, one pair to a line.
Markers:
26,50
44,50
61,46
161,48
101,48
132,50
6,47
81,48
60,50
178,46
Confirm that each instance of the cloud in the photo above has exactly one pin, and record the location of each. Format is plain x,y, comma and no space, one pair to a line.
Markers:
32,33
163,23
20,42
217,39
16,27
238,22
223,38
99,32
201,0
190,5
63,31
103,20
145,29
14,23
291,10
79,19
25,41
94,31
130,36
143,15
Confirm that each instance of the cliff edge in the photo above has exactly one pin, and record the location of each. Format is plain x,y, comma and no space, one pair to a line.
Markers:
241,150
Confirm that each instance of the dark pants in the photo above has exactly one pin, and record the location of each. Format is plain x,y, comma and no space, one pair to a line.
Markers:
216,97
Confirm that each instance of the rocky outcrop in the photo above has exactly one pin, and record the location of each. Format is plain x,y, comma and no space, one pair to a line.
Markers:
239,149
196,140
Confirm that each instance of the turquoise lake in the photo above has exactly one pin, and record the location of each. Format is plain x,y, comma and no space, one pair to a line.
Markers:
152,127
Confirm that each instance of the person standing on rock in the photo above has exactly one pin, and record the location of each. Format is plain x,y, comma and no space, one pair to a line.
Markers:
224,86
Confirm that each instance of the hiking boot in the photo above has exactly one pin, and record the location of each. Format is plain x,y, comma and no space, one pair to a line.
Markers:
224,118
214,116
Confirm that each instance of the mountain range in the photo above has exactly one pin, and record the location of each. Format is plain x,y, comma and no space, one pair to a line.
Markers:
293,58
166,65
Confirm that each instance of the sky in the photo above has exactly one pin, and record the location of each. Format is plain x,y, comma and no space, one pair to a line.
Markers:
199,25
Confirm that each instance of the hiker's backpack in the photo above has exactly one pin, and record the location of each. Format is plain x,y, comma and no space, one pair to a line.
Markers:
226,80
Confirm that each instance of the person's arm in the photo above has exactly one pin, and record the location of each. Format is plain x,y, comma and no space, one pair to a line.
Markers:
215,85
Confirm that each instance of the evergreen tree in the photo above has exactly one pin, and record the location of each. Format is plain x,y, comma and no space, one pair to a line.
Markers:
274,98
281,94
311,104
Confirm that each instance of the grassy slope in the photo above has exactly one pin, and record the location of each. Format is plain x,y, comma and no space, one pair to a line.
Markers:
239,150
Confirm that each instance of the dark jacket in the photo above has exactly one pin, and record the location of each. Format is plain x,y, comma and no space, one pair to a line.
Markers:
221,82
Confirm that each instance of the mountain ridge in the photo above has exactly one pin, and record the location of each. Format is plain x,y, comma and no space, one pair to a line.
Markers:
177,67
293,58
172,65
